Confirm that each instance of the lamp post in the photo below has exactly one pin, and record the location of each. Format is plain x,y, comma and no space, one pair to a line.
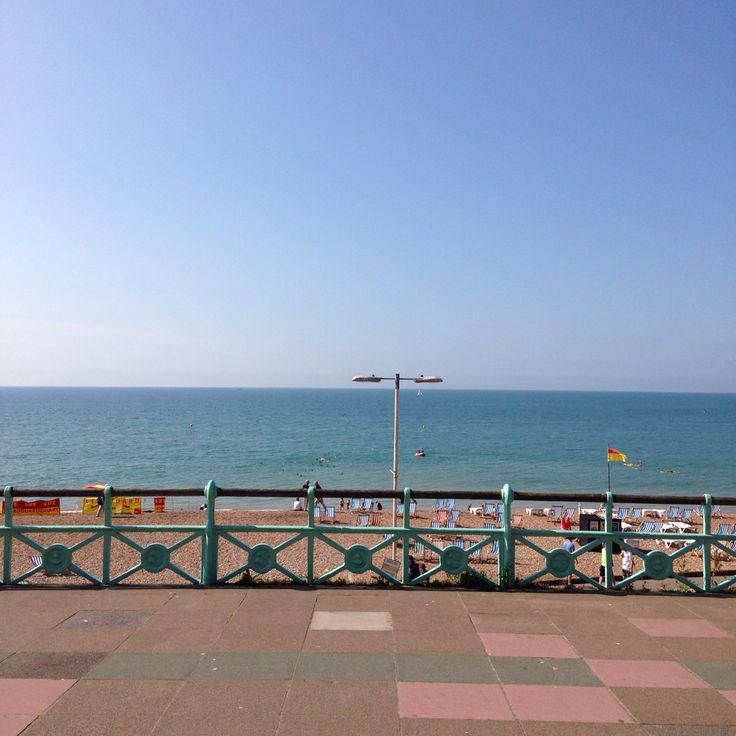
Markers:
396,378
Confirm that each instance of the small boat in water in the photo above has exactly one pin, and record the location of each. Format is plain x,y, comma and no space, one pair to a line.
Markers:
419,453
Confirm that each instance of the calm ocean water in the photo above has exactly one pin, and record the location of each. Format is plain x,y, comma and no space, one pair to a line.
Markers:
278,438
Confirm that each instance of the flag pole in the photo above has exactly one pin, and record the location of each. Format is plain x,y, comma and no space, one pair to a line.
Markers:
609,469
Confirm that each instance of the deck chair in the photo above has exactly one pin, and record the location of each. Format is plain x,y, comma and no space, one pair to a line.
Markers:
517,520
329,514
489,509
493,549
413,508
37,561
391,566
454,516
554,514
441,515
499,517
458,542
723,528
636,515
715,512
489,525
568,513
376,518
623,513
673,513
317,512
363,519
686,515
367,504
355,504
400,509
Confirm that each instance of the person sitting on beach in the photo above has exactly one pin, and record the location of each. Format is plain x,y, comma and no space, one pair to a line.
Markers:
566,523
414,570
298,504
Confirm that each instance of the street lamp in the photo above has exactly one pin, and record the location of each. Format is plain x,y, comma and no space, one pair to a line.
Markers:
396,378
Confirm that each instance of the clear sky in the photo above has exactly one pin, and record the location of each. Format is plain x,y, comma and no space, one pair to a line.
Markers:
506,194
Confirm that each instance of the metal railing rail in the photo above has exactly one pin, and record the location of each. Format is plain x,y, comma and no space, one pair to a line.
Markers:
458,558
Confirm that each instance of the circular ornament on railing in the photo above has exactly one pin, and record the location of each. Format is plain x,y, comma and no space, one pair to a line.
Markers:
658,565
454,560
560,563
155,557
358,558
262,558
56,558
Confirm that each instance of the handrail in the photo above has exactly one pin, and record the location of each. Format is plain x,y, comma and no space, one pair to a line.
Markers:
552,496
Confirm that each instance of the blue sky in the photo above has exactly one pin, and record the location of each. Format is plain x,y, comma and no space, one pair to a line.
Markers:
506,194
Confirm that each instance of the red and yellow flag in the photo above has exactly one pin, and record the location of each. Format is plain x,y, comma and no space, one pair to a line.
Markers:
616,456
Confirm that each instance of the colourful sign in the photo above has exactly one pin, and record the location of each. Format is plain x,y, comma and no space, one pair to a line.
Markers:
51,506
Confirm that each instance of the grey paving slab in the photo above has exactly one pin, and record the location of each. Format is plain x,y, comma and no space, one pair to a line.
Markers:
536,671
349,641
720,675
236,709
677,706
545,728
331,666
671,730
528,623
50,665
246,666
76,639
352,708
444,668
145,666
173,639
91,619
451,727
89,709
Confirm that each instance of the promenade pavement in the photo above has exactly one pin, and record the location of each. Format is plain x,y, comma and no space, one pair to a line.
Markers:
288,662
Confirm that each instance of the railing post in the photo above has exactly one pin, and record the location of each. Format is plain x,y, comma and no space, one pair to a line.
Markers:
707,529
508,569
310,535
608,545
8,540
210,546
405,537
107,536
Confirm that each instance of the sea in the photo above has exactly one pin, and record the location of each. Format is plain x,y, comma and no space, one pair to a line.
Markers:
552,441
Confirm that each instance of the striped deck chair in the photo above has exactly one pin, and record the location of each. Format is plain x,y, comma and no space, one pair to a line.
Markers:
37,561
400,509
420,551
554,514
673,513
454,516
723,528
623,512
449,503
367,504
489,525
493,549
715,512
355,504
686,515
435,524
376,518
568,513
636,514
441,515
363,519
317,512
499,516
413,508
329,514
489,509
458,542
647,527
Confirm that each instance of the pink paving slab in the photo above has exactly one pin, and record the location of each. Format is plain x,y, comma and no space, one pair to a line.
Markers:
565,704
644,673
13,725
729,694
453,700
528,645
685,627
20,697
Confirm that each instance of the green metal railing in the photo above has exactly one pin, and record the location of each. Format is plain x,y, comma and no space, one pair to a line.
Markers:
467,556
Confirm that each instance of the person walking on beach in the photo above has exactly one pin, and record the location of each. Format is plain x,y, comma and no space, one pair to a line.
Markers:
627,563
602,571
100,503
318,500
569,545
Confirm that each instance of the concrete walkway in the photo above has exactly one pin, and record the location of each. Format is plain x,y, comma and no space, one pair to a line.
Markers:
344,661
